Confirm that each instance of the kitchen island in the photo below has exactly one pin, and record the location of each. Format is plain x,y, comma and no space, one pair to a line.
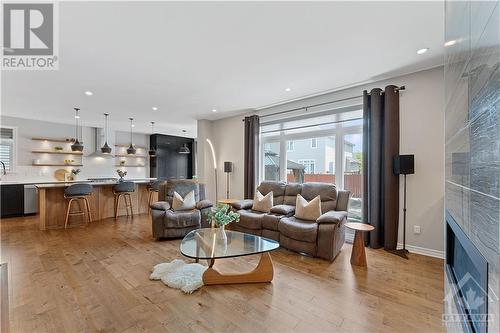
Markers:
52,204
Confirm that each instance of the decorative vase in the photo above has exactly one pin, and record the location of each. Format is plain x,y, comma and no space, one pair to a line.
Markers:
221,234
120,179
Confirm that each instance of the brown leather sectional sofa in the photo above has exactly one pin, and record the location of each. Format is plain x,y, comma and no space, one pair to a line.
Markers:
322,238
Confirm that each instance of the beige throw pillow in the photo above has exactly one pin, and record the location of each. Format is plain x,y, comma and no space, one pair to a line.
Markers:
307,210
186,203
263,203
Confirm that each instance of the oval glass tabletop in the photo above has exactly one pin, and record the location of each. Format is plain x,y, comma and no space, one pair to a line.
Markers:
209,243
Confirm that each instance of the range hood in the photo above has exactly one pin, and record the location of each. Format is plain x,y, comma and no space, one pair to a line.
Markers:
97,150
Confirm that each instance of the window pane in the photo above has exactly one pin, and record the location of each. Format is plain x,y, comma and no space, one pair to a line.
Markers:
353,177
312,165
271,161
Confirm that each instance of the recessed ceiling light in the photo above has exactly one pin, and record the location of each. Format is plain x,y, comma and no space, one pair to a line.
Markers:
450,42
154,108
422,51
89,93
288,89
214,110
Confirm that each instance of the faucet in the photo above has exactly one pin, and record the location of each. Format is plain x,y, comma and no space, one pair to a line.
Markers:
3,165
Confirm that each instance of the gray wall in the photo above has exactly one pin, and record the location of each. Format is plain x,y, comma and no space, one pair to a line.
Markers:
472,129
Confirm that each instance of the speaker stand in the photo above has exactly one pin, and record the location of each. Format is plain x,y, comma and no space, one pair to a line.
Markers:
403,253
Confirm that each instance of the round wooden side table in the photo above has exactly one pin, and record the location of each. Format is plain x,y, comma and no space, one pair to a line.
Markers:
358,256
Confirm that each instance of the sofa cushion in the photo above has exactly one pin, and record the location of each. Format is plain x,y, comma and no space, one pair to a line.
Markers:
262,203
283,209
291,191
182,219
271,221
278,189
301,230
242,204
332,216
250,219
327,192
308,210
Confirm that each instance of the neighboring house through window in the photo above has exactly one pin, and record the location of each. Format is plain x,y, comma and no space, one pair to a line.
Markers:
314,143
310,165
7,147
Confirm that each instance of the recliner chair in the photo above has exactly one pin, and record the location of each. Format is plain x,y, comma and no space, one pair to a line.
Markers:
167,223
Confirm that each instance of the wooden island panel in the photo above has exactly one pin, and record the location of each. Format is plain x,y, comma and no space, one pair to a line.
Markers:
52,205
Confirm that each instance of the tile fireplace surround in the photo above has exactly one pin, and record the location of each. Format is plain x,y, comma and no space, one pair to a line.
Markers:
472,155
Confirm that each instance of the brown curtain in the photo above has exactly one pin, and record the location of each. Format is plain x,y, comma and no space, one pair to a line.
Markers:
380,185
251,155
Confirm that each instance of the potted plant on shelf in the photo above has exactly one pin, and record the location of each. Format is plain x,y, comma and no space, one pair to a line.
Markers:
221,216
58,148
122,174
122,162
74,173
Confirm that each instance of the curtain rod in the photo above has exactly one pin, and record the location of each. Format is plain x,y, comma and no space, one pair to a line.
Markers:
319,104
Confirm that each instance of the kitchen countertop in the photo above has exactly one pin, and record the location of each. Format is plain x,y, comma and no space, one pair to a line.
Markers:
94,183
62,183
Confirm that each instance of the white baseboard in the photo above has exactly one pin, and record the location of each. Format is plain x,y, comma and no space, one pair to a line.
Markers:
349,237
423,251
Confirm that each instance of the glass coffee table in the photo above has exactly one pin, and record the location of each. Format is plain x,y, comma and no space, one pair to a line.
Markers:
213,243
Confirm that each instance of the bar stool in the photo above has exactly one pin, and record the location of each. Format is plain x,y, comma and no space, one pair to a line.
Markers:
153,187
124,189
78,193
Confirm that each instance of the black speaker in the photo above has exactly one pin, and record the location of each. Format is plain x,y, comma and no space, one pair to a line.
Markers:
403,164
228,166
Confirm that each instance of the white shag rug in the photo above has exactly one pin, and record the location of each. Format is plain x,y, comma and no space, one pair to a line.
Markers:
179,275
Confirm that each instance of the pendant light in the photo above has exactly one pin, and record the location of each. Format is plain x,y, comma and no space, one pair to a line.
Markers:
184,149
131,150
106,149
76,146
152,151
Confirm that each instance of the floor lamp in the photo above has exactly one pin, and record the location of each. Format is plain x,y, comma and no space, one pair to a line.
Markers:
215,168
403,165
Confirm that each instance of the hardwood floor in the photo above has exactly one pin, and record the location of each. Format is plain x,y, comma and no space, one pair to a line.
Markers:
96,279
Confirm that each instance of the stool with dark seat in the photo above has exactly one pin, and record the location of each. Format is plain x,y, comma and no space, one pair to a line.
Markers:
78,192
124,189
153,187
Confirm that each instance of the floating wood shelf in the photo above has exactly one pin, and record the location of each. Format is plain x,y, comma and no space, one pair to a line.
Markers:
57,164
57,152
129,165
126,146
54,140
133,156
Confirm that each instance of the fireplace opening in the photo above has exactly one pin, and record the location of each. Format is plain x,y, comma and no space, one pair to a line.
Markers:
467,272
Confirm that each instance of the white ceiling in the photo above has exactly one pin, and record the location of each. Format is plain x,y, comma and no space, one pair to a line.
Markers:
189,58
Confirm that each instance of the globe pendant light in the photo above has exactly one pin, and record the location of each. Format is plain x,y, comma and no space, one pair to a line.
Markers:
152,151
106,149
131,150
76,146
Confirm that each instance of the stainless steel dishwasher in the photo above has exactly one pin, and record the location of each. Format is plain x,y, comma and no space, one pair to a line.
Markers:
30,199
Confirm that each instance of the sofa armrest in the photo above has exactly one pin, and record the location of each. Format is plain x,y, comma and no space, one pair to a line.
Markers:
160,205
287,210
343,200
332,216
242,204
204,204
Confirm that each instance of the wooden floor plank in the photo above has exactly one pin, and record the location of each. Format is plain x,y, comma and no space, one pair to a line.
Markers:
96,278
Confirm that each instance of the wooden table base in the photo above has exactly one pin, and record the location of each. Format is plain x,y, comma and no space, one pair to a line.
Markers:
358,256
264,272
